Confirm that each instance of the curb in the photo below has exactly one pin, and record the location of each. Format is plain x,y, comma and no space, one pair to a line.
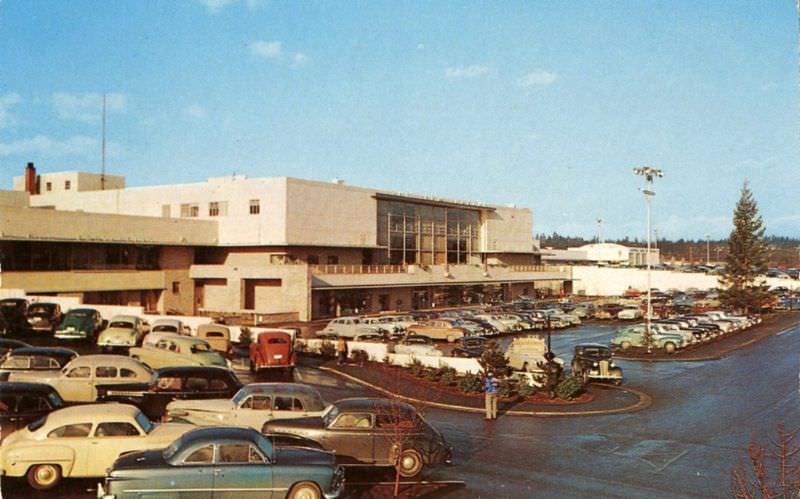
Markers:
644,401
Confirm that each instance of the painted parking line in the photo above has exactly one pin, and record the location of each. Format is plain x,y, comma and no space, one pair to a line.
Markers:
792,330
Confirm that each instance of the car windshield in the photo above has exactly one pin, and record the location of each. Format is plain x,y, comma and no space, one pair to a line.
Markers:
165,328
121,324
79,313
38,309
144,422
330,414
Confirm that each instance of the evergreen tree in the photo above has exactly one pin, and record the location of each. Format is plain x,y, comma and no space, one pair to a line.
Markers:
748,254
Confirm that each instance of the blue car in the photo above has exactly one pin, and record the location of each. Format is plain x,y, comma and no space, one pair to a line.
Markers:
229,462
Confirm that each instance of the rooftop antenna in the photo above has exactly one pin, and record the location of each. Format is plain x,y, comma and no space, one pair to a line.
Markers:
103,149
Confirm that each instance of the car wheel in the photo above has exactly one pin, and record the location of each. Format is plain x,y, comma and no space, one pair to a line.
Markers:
625,345
44,476
669,347
618,381
305,490
409,463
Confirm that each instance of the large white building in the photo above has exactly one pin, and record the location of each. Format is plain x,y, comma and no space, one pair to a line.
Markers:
266,246
603,254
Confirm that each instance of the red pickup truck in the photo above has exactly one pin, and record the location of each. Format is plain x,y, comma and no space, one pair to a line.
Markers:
273,349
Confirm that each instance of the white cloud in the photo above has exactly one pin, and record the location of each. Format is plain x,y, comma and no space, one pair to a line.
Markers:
196,111
537,78
268,50
7,101
471,71
299,60
217,6
88,107
41,145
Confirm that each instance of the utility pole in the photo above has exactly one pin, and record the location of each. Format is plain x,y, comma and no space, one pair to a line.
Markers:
599,230
708,249
648,173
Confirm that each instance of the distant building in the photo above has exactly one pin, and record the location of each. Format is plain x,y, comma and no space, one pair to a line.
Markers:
602,254
276,245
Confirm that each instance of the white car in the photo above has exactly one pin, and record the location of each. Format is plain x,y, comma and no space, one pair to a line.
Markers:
417,345
629,314
350,327
495,321
124,331
252,406
81,441
169,326
76,381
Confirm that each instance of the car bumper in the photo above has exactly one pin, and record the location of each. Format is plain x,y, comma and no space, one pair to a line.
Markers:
101,492
71,335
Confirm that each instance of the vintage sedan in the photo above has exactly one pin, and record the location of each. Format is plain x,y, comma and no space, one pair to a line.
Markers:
252,406
39,359
178,351
171,383
44,316
78,380
168,326
634,336
124,331
81,441
594,362
80,324
225,462
23,403
217,335
14,312
368,432
273,349
417,345
439,329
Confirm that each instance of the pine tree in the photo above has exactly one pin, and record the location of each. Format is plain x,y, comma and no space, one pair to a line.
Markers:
748,254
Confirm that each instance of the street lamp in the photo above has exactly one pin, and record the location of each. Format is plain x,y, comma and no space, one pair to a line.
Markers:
708,250
648,173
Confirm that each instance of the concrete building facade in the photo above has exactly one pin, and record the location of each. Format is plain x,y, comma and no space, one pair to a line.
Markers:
266,246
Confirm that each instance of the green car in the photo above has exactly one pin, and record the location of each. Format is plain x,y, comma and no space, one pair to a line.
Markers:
175,350
633,336
80,324
226,462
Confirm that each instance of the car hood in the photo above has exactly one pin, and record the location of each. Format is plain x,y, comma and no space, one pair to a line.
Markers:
212,405
168,432
140,459
303,456
210,359
297,425
16,437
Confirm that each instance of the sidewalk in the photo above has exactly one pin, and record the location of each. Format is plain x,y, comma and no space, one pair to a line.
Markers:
605,399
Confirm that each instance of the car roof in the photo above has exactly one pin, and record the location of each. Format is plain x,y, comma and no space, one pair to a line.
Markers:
188,370
16,386
9,341
220,433
91,412
95,359
166,322
367,404
43,304
591,345
51,351
131,318
281,388
89,310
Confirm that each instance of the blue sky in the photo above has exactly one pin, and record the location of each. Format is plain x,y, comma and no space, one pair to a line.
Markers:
548,105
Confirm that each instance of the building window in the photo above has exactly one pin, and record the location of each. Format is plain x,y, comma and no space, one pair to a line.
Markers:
49,186
176,287
190,210
313,259
67,185
333,260
217,208
255,206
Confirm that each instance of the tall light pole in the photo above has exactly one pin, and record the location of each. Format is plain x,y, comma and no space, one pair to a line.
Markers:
599,230
648,173
708,249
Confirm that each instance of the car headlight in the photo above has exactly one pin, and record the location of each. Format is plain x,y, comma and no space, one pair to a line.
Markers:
594,364
229,363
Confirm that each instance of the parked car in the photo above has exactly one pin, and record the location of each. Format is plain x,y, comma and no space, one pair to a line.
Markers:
168,326
273,349
400,322
439,329
80,324
217,336
471,346
124,331
417,345
594,362
7,345
81,441
153,337
363,432
50,359
226,462
629,314
633,336
486,329
173,383
253,405
44,316
178,351
76,382
15,318
23,403
526,353
349,327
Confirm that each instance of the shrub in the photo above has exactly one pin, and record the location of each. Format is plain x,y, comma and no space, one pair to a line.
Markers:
245,337
449,376
470,383
493,359
387,360
525,389
328,349
505,389
359,356
569,388
417,369
433,375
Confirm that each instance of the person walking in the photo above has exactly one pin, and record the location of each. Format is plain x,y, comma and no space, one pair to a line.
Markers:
490,389
341,351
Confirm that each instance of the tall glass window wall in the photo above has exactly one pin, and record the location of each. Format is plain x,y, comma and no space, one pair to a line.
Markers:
427,234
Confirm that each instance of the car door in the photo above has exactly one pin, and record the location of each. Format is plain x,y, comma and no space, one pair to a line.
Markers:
74,436
76,385
195,476
109,440
350,435
254,411
241,472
